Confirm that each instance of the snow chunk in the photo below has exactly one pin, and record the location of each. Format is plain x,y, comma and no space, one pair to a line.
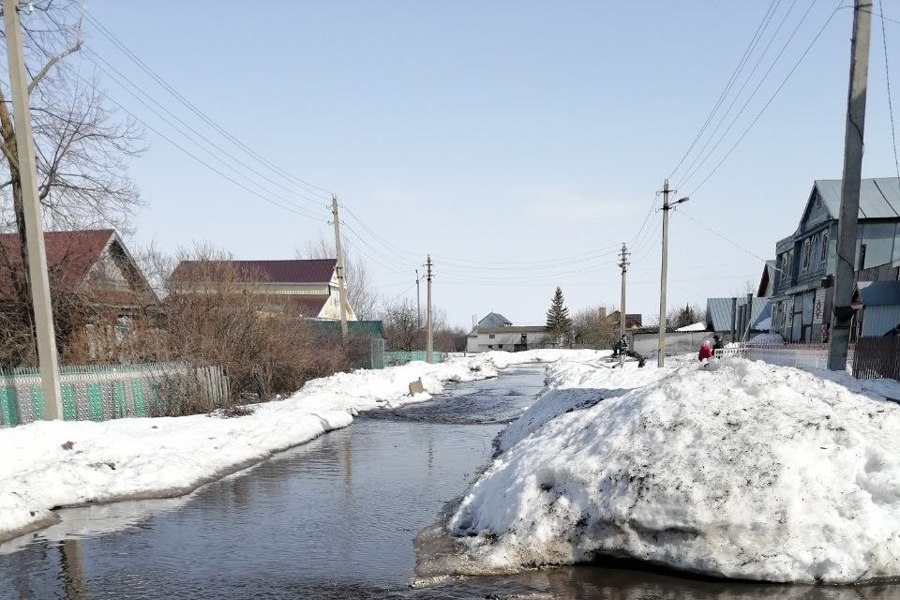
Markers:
750,471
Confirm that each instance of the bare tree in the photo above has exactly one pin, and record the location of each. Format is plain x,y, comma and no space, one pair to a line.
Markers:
594,329
82,147
360,290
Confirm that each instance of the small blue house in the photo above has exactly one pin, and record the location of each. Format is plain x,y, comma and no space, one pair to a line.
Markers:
806,260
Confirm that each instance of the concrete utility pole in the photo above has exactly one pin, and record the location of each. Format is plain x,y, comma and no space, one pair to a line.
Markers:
342,287
418,302
842,312
666,207
34,234
623,264
429,339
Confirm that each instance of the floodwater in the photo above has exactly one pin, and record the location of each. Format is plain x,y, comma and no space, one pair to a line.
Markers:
335,518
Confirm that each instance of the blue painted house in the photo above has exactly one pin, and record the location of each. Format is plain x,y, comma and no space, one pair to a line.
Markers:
805,261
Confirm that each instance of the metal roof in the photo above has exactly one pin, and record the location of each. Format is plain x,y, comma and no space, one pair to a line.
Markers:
879,198
257,271
718,311
879,293
494,320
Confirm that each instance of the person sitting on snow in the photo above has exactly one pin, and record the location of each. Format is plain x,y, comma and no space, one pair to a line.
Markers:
705,351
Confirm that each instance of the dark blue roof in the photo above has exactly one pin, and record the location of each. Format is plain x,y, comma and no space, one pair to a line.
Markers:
879,293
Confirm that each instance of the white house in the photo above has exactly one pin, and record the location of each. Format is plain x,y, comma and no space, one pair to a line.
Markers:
496,332
309,287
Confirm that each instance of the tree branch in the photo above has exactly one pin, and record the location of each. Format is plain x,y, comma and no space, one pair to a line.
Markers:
51,63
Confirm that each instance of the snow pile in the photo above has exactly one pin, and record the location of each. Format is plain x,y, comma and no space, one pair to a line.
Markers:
699,326
767,338
749,471
167,457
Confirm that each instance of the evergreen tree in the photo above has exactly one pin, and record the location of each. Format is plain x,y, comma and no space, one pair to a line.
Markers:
558,321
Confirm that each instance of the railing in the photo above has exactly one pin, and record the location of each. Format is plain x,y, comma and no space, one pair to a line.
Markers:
104,392
405,356
804,356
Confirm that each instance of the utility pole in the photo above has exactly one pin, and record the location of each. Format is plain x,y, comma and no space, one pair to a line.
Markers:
429,339
342,287
34,233
418,303
842,312
623,264
666,207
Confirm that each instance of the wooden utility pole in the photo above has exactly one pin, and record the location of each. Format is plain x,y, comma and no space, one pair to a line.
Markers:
666,207
429,339
842,312
342,287
34,233
418,302
661,346
623,264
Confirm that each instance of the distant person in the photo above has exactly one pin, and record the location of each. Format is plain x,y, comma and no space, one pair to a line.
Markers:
705,351
717,343
621,347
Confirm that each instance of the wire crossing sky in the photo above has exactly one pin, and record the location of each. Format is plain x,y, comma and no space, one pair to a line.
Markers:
518,143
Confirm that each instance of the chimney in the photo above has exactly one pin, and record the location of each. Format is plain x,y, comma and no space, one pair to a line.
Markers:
601,312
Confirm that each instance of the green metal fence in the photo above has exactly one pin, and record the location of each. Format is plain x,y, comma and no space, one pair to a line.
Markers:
101,392
404,356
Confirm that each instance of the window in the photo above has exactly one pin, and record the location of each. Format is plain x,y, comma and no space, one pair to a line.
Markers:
823,254
807,252
491,336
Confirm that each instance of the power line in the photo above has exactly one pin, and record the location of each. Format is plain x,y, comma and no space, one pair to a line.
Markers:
723,237
187,103
695,168
737,70
768,103
197,133
263,197
887,76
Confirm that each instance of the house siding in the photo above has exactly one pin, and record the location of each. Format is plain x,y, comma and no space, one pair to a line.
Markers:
806,262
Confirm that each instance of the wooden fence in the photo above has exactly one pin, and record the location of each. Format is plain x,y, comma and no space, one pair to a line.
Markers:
877,357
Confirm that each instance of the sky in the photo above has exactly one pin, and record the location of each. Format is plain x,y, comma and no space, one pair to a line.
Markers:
520,144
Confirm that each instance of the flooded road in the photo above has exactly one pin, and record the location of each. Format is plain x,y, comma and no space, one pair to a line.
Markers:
334,518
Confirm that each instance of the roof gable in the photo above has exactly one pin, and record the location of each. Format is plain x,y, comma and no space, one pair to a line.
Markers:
70,256
879,198
494,320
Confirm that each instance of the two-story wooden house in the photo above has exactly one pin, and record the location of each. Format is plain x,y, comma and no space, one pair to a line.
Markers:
308,287
806,260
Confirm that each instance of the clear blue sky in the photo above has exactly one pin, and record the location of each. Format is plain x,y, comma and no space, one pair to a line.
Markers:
497,136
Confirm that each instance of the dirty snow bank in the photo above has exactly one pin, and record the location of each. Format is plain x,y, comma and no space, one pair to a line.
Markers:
164,457
747,471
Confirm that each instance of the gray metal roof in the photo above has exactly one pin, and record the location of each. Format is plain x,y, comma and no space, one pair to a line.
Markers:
879,198
494,320
718,311
764,314
879,293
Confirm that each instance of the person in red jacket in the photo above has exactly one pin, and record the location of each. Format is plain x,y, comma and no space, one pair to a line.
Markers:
705,351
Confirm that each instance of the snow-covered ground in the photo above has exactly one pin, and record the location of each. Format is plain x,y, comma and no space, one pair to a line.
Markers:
741,469
166,457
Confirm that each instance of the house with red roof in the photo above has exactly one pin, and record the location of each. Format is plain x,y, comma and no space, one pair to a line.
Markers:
96,288
308,287
92,264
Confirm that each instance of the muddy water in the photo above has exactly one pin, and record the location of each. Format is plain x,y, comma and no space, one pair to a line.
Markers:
335,518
